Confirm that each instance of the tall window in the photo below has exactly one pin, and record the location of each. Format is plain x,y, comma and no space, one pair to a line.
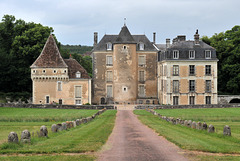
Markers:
78,91
192,100
208,54
175,70
191,54
109,61
175,86
191,69
141,91
109,76
192,86
109,91
47,99
208,99
175,54
207,69
109,46
208,86
141,60
59,86
141,76
175,100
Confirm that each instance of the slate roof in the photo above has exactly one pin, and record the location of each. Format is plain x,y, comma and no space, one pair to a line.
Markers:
124,37
74,67
50,56
190,45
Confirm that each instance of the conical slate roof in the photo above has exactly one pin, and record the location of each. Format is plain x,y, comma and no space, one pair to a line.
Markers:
50,56
125,36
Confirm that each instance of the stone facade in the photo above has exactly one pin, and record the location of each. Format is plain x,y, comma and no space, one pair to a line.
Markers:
187,72
58,80
124,69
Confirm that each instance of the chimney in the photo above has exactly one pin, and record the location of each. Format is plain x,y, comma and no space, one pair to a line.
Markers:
167,43
196,38
154,37
181,38
95,38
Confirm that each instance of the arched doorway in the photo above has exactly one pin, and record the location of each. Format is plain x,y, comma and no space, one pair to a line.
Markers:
102,100
235,100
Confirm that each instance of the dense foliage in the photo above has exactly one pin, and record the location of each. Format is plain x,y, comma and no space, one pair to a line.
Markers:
77,49
227,45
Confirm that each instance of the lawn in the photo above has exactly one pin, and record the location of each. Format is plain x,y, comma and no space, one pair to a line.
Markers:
19,119
192,139
84,138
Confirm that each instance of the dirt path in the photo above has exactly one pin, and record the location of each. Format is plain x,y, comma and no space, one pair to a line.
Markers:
133,141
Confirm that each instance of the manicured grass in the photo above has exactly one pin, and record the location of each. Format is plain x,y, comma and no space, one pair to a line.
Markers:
19,119
42,115
49,158
188,138
84,138
219,117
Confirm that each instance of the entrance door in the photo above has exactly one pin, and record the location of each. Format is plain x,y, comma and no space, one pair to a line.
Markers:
102,100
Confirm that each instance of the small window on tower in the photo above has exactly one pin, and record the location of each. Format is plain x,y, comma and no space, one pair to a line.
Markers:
124,47
54,71
44,71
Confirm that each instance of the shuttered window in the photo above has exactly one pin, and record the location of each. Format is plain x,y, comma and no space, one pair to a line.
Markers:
78,91
141,60
109,91
141,76
109,61
109,76
141,91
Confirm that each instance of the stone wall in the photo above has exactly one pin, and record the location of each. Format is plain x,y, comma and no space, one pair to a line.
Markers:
19,105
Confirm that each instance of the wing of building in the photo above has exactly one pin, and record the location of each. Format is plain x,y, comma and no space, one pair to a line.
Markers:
58,80
124,69
187,72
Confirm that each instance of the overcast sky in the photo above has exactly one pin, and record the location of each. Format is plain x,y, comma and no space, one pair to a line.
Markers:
75,21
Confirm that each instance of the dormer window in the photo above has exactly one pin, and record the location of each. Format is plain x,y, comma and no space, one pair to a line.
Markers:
208,54
191,54
78,74
109,46
141,46
175,54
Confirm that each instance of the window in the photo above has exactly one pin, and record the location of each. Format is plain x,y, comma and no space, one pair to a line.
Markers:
175,100
192,86
60,101
141,60
109,91
109,76
54,71
208,86
59,86
208,54
124,89
192,100
78,102
141,91
47,99
124,47
34,71
147,102
109,61
191,54
191,69
44,71
208,100
140,101
207,69
65,71
78,91
175,70
109,46
78,74
175,54
141,46
141,76
175,86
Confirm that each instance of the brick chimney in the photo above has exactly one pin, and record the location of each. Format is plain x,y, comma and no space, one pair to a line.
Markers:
196,38
167,43
95,38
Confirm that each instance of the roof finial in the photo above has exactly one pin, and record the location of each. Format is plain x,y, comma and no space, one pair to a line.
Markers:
197,31
125,21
